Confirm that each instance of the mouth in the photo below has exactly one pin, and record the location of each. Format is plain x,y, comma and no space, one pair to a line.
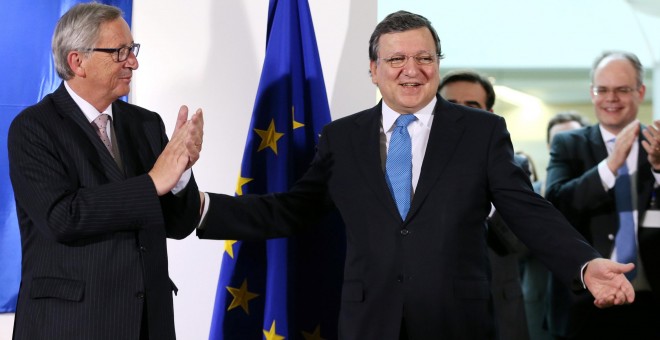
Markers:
612,109
410,84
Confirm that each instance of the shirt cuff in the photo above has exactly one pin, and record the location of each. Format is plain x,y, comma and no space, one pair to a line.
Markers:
606,176
202,220
183,182
582,270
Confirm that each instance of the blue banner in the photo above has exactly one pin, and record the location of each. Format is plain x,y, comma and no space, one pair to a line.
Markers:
28,75
283,288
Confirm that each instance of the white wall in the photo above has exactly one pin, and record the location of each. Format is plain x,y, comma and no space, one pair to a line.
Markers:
209,54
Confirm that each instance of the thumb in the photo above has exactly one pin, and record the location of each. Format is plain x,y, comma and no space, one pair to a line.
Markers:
624,267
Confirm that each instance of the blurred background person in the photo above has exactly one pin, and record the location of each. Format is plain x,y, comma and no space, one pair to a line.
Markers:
534,274
603,179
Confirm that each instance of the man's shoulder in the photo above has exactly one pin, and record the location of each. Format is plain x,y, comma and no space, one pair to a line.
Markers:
135,111
361,117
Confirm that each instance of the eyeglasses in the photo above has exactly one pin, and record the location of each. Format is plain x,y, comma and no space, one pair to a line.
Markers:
119,54
619,91
401,60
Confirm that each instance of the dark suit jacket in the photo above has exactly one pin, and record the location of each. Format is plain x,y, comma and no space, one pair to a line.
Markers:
430,269
93,235
575,188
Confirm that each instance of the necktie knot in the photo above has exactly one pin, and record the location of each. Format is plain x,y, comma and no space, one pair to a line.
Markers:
101,121
404,120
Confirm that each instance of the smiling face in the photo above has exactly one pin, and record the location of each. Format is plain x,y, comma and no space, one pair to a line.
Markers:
409,88
99,78
616,110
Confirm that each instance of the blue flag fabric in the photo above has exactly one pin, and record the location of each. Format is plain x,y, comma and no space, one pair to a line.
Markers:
290,287
28,75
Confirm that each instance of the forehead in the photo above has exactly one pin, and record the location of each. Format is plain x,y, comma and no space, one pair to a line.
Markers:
615,71
114,33
410,41
463,89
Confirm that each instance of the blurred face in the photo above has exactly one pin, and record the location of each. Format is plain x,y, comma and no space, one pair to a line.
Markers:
105,80
615,107
465,93
566,126
409,88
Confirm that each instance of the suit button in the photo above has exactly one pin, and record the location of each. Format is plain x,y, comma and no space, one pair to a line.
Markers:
139,295
143,249
405,232
399,278
610,237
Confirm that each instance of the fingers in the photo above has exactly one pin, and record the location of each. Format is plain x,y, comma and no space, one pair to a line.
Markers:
182,117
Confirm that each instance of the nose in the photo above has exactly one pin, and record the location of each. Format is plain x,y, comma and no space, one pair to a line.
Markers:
411,68
611,96
132,62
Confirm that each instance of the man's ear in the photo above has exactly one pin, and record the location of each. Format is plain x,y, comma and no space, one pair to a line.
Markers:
76,59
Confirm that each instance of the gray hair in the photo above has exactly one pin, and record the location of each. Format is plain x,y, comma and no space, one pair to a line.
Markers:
78,29
400,21
634,61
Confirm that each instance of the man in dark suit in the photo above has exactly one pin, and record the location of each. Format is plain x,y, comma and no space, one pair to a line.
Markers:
417,269
95,205
585,165
504,249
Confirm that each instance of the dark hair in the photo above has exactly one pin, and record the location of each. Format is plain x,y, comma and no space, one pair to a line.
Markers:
564,117
400,21
634,61
531,168
471,77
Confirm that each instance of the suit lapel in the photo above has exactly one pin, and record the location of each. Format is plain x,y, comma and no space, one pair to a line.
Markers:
102,159
128,140
598,148
446,132
365,139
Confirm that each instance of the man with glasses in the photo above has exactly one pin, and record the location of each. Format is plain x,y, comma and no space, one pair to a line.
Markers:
98,189
413,178
604,179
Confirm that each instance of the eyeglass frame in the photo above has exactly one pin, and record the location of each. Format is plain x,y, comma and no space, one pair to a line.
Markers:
133,47
619,91
416,57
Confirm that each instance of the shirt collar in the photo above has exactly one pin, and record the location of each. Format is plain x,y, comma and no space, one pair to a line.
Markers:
88,109
607,136
423,116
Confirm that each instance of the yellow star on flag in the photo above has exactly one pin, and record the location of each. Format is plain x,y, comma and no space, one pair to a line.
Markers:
295,124
313,336
229,247
241,297
271,335
241,182
269,137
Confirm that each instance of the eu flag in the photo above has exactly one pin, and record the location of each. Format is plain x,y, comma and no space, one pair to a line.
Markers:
28,75
283,288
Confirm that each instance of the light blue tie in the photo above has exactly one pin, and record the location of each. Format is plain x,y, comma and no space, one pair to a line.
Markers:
625,241
398,166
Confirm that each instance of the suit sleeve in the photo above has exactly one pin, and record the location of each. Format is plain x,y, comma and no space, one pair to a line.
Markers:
542,228
256,217
570,189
